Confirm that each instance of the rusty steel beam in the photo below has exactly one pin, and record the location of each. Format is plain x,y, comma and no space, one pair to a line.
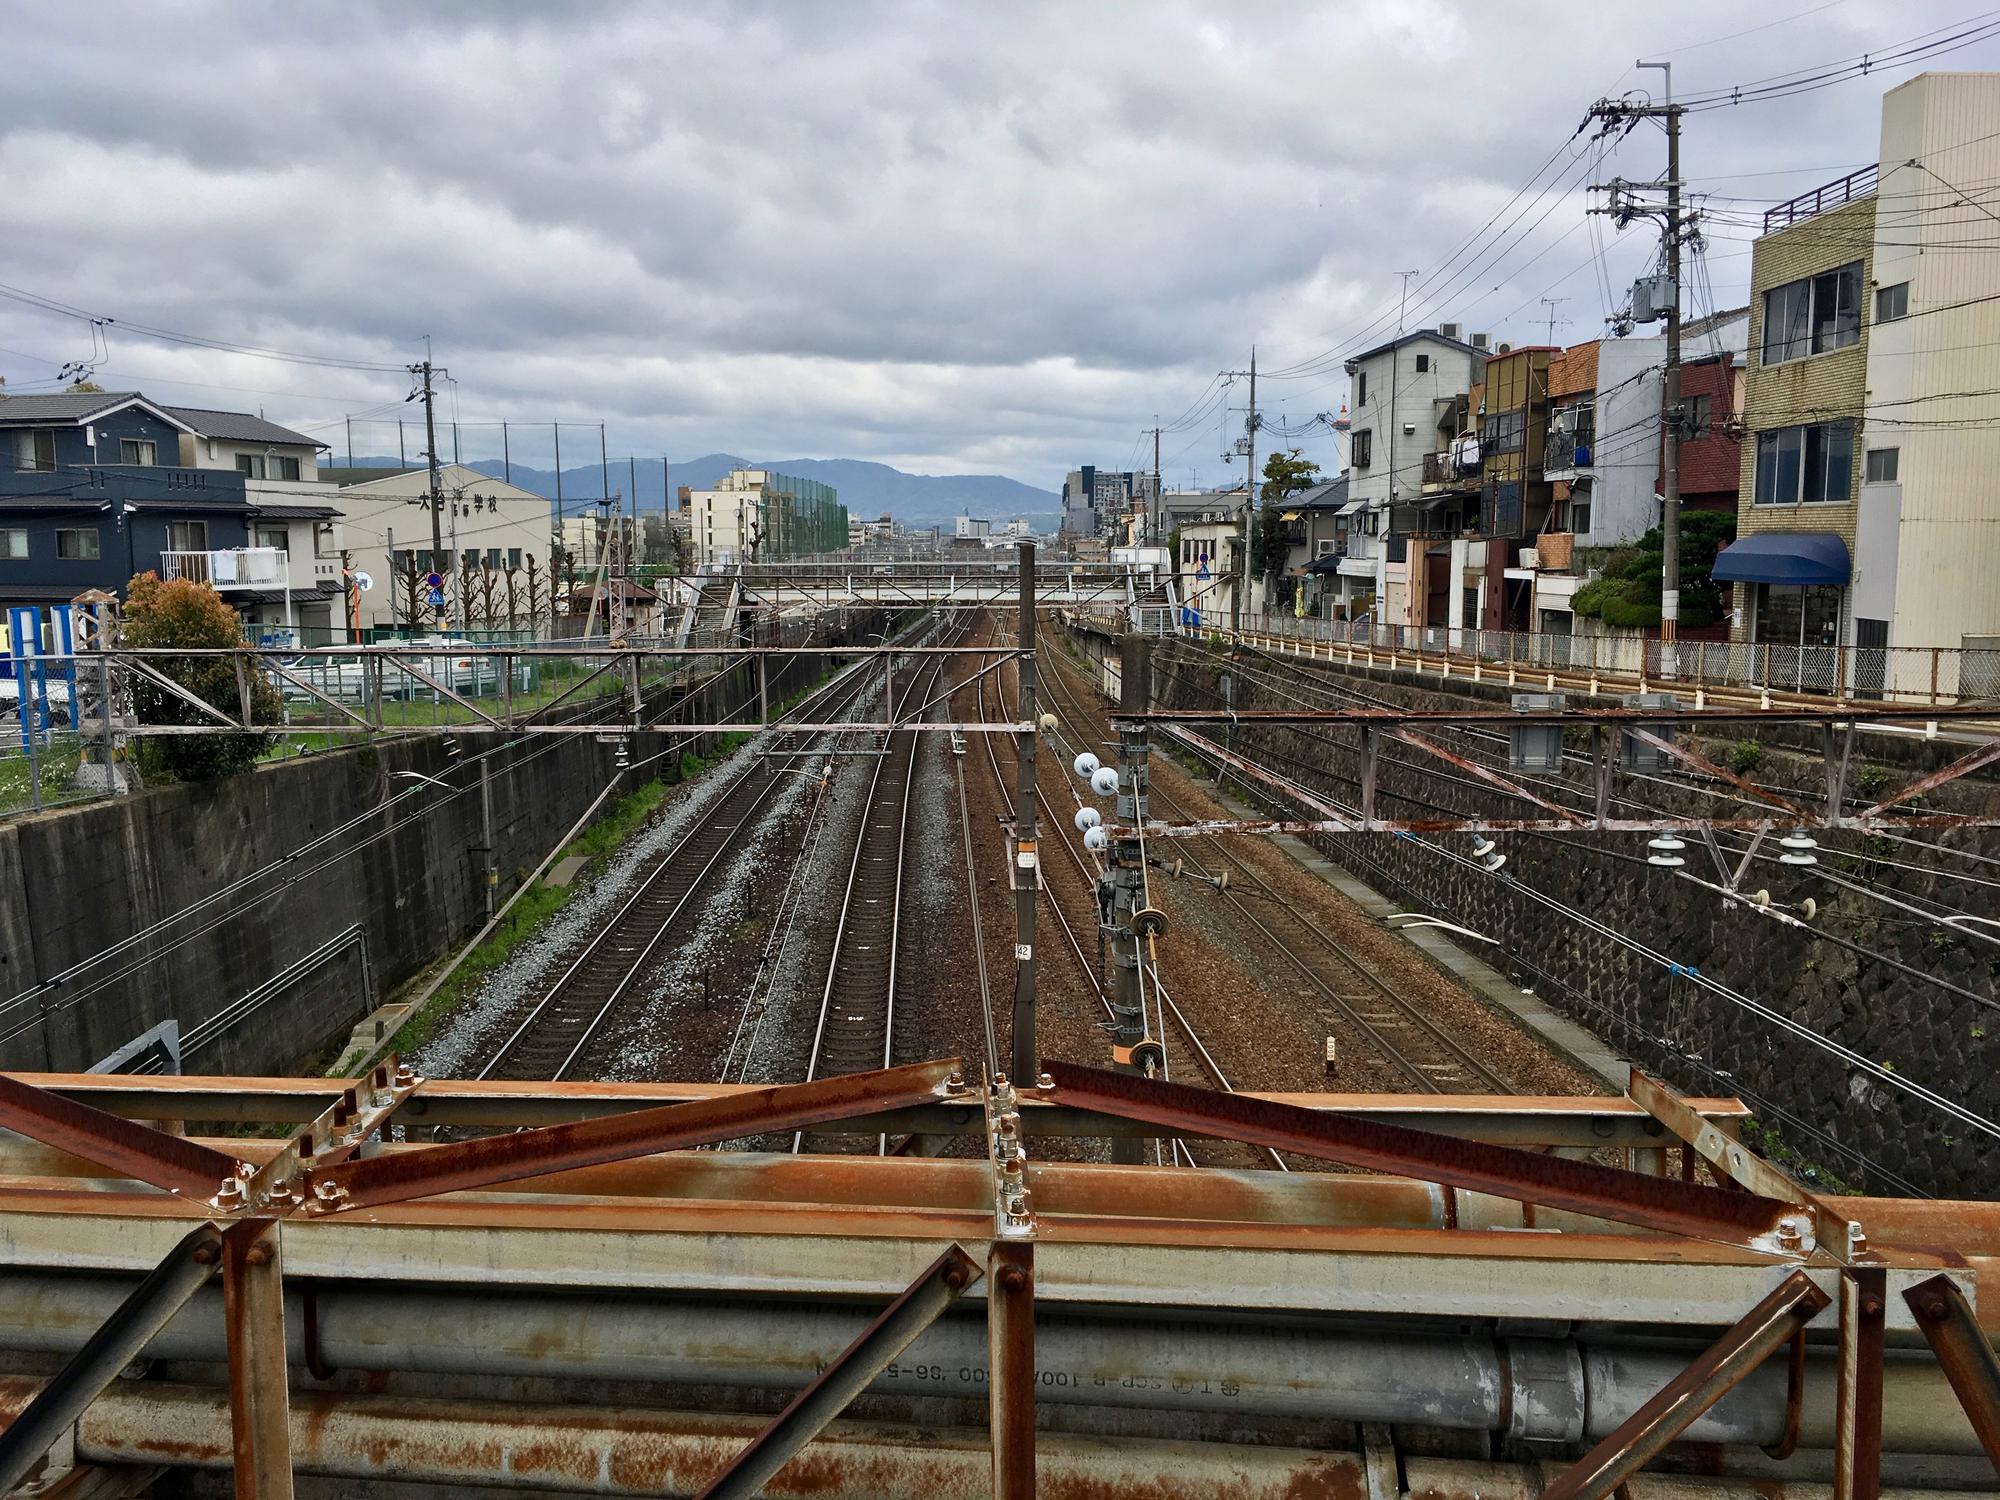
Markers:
1985,755
833,1390
1857,1437
169,1162
253,1293
1761,1332
1969,1362
1851,713
1473,823
1710,768
1582,1186
1488,775
1010,1366
333,1136
116,1343
463,1165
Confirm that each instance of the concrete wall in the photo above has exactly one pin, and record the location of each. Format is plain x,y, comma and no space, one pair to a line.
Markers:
74,883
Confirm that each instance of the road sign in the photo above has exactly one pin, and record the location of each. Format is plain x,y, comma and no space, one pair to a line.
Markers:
435,599
363,582
434,581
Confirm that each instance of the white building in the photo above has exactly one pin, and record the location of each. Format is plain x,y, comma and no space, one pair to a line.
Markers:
972,528
763,515
493,530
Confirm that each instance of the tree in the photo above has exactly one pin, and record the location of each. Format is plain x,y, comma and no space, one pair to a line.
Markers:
1627,595
82,387
192,615
1286,473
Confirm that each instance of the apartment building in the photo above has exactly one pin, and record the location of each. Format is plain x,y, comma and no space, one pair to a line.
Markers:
760,515
1094,499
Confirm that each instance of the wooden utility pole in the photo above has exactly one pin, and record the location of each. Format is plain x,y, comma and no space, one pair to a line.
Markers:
434,498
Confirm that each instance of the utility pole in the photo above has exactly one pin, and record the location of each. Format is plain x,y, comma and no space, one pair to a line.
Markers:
434,499
1662,303
1027,873
1240,581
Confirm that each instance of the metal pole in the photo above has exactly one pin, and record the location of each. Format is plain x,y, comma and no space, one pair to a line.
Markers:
1242,580
436,497
254,1311
350,441
492,871
1027,876
1670,403
506,455
114,1345
1127,878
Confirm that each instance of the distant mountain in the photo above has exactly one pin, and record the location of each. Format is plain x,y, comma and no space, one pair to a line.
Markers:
866,489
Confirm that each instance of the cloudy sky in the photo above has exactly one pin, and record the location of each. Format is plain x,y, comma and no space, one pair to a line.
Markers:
952,237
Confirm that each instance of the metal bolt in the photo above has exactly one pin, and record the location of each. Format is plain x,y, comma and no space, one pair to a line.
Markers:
1934,1309
1857,1237
231,1193
999,1080
1017,1208
1010,1125
1013,1278
954,1081
257,1255
1789,1235
281,1192
1872,1306
1045,1081
327,1192
204,1255
406,1076
954,1277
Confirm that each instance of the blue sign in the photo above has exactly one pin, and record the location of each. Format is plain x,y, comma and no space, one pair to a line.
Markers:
433,582
435,599
24,638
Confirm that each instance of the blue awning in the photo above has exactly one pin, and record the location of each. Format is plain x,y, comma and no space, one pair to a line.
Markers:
1800,557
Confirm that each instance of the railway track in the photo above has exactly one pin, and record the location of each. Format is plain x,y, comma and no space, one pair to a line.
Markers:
1186,1049
559,1029
1403,1035
856,1031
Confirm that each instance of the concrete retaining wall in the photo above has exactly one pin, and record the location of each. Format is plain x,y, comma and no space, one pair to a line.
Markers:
76,882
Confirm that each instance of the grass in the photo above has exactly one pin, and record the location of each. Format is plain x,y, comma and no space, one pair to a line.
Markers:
537,905
57,762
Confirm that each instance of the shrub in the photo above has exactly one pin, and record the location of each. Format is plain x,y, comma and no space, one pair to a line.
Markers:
181,613
1745,756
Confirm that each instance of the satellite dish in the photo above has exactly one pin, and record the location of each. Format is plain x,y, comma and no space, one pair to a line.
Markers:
363,582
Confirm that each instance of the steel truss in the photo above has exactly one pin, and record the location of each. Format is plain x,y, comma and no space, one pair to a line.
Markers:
596,1193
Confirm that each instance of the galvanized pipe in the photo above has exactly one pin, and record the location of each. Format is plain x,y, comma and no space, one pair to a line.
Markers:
1550,1389
376,1439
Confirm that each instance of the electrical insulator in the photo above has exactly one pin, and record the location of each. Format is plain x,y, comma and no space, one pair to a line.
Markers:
1048,723
1096,838
1104,781
1087,818
1085,765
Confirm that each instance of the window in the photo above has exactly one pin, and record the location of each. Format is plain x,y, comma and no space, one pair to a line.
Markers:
77,545
251,465
278,537
1364,449
1813,316
1468,606
1700,413
1423,364
35,450
1805,465
284,468
1361,389
13,544
187,536
323,540
1505,432
492,557
138,451
513,558
1892,302
1579,517
1880,465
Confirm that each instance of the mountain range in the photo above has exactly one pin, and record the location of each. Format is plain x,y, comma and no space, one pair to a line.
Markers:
866,489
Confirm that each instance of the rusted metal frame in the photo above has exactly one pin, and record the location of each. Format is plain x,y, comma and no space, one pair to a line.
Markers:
1795,1399
1010,1366
432,683
181,1273
160,679
1487,774
1277,783
259,1395
1661,1203
1857,1417
363,1107
1953,1332
170,1162
1445,717
1836,769
836,1386
273,665
1834,1232
493,1160
1761,1332
1709,768
1272,827
1984,756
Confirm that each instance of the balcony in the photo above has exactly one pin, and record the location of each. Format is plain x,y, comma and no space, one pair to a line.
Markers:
1457,470
228,568
1568,454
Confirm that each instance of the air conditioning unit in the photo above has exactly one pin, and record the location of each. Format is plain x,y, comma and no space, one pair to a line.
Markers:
1529,558
1449,330
1481,340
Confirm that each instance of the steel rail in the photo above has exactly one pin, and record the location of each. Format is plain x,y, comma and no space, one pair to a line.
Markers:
1394,1055
668,863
